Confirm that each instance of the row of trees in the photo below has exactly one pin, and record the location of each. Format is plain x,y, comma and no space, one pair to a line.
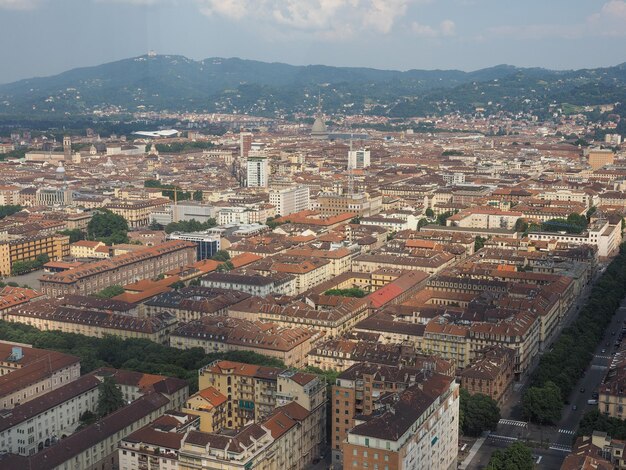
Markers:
110,292
595,421
22,267
561,367
174,192
192,225
351,292
9,210
133,354
177,147
575,223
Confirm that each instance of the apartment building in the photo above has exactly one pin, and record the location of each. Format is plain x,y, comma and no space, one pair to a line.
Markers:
415,428
223,333
600,233
209,405
137,213
254,392
333,320
89,249
492,374
251,283
194,302
156,446
56,247
54,315
290,200
359,388
144,263
27,373
96,446
39,423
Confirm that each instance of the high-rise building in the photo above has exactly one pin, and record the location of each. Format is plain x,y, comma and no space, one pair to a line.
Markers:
290,200
245,144
359,159
257,169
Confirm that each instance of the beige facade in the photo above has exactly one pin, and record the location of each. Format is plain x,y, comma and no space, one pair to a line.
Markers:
28,248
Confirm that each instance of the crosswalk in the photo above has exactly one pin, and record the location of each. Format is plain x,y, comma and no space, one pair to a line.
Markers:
511,422
560,447
599,356
598,367
567,431
505,439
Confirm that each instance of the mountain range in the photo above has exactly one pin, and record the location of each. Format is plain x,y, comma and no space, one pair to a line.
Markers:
176,83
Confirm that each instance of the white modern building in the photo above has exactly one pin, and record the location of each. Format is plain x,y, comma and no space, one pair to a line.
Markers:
257,173
359,159
290,200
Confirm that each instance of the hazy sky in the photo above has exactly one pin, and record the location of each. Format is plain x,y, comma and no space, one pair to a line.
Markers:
44,37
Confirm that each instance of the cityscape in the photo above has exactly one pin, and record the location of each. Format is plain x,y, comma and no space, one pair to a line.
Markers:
237,264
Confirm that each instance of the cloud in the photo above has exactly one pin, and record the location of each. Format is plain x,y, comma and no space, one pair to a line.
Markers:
18,4
445,28
324,18
610,20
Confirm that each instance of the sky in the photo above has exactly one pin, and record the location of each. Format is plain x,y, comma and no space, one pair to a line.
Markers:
46,37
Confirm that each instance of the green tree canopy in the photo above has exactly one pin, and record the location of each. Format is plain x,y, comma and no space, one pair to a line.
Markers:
110,397
517,456
9,210
74,234
429,213
221,255
543,404
190,225
350,292
108,227
479,413
110,292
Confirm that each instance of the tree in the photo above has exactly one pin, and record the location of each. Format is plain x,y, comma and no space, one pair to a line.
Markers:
177,285
108,227
479,242
592,210
9,210
521,225
441,218
351,292
110,397
74,234
221,255
192,225
429,213
543,405
226,266
25,266
517,456
355,220
422,223
197,195
480,413
154,225
110,292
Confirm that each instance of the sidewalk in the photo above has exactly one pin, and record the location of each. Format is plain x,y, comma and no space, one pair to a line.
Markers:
472,453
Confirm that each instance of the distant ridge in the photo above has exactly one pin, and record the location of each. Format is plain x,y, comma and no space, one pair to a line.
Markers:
176,83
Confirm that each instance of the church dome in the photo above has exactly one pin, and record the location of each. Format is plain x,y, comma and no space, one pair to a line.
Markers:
319,127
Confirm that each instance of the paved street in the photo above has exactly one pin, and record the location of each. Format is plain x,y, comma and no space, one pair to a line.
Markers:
557,440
